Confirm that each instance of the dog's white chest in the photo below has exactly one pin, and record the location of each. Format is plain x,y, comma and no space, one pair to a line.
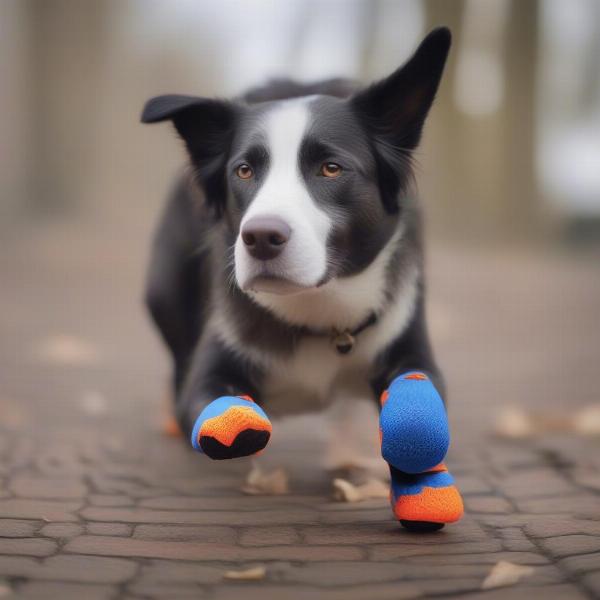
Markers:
313,377
316,375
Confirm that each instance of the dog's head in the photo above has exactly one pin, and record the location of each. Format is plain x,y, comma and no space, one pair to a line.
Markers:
312,185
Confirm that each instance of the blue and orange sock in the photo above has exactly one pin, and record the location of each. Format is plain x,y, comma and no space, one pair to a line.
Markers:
231,427
414,441
425,500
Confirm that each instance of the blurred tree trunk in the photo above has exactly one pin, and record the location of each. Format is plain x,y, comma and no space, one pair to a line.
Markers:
480,170
15,109
522,212
441,184
67,39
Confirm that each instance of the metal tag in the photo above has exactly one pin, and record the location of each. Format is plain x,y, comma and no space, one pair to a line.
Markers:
343,341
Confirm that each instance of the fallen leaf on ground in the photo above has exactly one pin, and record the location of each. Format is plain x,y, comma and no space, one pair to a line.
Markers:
344,491
514,422
94,403
251,574
259,483
505,573
517,423
66,350
12,413
586,420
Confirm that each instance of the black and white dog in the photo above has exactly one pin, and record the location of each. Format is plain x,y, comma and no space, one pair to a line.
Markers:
287,268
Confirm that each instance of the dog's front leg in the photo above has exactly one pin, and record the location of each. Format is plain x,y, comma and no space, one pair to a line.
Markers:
414,441
217,408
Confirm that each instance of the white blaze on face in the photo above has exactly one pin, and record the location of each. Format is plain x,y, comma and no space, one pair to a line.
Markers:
303,262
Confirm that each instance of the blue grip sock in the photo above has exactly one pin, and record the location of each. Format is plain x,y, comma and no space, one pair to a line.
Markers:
413,424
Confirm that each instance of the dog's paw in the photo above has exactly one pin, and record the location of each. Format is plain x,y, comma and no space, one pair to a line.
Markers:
230,427
413,424
426,501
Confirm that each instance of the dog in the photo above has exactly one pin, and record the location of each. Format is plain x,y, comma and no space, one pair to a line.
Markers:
287,269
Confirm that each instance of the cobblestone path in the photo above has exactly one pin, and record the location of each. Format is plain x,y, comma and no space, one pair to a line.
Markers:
96,502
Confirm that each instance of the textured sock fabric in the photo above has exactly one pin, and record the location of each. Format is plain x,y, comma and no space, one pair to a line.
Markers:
413,424
428,497
230,427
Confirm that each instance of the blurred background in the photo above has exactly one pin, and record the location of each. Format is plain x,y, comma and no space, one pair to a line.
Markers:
509,173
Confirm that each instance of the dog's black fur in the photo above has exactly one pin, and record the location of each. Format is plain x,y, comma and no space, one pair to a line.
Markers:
377,128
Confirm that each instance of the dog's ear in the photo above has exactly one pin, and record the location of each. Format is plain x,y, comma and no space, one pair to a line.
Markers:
206,126
396,107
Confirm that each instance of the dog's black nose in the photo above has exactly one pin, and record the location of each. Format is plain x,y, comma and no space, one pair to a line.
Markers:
265,237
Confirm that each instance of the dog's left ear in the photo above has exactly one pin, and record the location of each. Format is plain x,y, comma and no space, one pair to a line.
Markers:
206,126
395,108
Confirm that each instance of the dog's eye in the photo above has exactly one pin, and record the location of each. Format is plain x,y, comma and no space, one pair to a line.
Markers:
331,169
244,171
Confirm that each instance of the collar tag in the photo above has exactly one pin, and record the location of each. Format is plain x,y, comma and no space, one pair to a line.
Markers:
343,341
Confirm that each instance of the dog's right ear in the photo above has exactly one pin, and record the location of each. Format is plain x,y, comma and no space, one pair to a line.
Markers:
206,126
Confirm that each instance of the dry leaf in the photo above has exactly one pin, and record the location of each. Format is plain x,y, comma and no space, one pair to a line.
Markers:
514,422
505,573
586,420
344,491
67,350
252,574
259,483
94,403
12,413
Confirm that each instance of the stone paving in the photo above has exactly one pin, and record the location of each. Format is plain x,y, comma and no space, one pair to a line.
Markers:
97,502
